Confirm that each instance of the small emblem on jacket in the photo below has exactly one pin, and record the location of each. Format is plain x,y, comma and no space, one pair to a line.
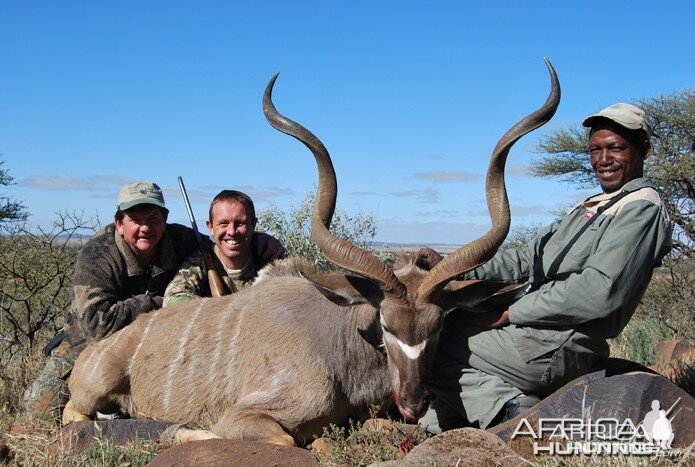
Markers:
588,215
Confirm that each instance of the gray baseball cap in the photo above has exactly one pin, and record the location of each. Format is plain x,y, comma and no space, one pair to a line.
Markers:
626,115
135,193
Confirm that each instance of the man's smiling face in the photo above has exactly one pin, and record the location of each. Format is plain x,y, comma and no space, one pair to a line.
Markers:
615,160
142,227
232,229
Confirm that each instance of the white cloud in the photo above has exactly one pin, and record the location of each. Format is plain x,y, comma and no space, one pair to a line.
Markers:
362,193
257,194
428,195
67,182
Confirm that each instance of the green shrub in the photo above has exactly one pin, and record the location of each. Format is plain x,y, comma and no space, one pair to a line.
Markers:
293,229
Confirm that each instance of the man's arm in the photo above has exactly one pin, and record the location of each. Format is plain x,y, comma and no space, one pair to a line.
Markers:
189,283
635,240
515,264
96,300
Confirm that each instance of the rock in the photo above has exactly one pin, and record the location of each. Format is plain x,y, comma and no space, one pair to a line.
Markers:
619,397
77,436
32,428
672,356
667,351
226,452
322,447
620,366
464,446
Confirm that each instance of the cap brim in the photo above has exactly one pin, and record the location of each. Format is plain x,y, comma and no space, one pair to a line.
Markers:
127,205
591,119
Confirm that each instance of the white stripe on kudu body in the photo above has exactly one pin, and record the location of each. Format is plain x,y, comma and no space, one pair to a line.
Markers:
179,357
137,350
215,358
104,352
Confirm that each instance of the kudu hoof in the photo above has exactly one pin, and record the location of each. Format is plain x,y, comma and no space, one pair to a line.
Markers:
71,414
184,435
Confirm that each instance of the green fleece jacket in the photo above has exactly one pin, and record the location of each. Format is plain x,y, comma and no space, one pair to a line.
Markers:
601,279
111,288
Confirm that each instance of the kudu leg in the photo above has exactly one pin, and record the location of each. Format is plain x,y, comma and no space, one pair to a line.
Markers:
239,424
184,435
99,382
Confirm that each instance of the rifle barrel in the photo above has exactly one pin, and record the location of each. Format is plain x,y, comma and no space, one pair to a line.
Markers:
191,217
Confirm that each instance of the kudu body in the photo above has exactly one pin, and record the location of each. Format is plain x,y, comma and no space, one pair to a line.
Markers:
282,359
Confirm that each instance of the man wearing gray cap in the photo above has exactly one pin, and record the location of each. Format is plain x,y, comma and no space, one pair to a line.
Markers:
585,275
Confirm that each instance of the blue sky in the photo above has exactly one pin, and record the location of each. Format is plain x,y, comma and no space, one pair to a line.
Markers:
408,97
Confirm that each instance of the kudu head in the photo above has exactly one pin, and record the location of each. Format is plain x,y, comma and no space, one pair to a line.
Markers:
412,299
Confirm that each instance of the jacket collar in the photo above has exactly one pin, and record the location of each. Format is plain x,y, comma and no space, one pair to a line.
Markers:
632,185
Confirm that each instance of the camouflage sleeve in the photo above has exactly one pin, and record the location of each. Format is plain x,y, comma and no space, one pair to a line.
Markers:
96,301
188,283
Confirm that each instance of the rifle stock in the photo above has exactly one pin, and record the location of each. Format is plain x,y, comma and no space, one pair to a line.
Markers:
217,285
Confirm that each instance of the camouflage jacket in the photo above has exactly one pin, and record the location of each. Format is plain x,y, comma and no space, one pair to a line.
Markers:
110,288
191,281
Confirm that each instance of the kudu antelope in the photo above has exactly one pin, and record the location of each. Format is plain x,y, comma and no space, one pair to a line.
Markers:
280,360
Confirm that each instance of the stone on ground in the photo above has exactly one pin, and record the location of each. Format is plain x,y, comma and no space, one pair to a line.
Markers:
78,436
599,396
226,452
464,446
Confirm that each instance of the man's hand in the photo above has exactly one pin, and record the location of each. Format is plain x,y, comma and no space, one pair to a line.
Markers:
489,319
268,247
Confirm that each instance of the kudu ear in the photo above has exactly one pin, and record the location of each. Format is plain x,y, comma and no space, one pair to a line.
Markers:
347,290
478,295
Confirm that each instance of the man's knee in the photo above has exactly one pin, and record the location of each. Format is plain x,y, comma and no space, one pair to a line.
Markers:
46,396
49,392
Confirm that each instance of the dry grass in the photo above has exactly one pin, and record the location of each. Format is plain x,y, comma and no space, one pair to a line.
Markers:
30,443
683,376
357,444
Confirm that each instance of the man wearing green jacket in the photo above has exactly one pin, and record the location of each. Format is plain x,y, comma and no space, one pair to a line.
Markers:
586,274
